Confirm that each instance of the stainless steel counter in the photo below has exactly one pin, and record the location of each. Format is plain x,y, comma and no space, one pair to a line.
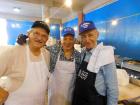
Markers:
131,66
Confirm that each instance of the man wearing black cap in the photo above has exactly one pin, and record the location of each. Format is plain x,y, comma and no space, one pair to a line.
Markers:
64,63
96,81
24,70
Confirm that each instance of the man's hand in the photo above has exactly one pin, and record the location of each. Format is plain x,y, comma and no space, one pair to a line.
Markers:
3,95
21,40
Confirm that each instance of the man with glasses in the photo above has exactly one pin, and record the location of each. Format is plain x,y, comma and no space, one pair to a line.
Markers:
64,63
24,70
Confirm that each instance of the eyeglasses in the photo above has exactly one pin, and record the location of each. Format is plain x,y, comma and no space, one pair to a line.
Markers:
38,34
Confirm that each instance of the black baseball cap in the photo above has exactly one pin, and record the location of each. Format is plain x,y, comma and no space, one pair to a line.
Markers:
41,24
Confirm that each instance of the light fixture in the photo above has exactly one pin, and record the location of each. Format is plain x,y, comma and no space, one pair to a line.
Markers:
61,28
47,20
53,27
135,76
13,25
16,25
4,77
102,30
131,76
17,9
114,22
68,3
75,28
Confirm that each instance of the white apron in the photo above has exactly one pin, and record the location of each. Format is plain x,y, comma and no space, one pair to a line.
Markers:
33,89
61,83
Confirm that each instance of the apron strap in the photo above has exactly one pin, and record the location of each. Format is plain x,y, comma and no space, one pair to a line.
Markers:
28,57
77,71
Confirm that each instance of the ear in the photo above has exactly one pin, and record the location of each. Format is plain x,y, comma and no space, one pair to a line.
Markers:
61,41
97,32
74,40
28,33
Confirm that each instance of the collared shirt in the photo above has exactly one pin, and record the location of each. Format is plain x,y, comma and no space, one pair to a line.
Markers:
88,55
106,81
55,50
63,58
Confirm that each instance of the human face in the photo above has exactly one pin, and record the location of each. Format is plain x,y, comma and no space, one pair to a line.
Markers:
68,42
89,38
37,37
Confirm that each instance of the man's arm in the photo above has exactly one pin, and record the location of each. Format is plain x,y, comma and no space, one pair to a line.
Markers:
111,83
9,79
3,79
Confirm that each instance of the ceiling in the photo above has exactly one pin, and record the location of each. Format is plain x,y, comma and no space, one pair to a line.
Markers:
38,9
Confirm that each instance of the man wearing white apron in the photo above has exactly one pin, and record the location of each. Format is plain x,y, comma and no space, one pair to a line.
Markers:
65,61
32,62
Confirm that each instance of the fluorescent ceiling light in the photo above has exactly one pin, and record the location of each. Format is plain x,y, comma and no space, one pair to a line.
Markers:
16,9
68,3
47,20
75,28
114,22
61,28
53,27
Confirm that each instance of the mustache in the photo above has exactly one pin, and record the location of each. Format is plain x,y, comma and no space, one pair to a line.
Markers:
68,44
38,41
87,43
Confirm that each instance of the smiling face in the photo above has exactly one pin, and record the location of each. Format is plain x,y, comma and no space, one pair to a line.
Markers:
37,37
89,38
68,42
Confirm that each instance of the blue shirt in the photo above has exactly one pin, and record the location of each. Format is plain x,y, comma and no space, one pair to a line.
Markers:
106,81
88,55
